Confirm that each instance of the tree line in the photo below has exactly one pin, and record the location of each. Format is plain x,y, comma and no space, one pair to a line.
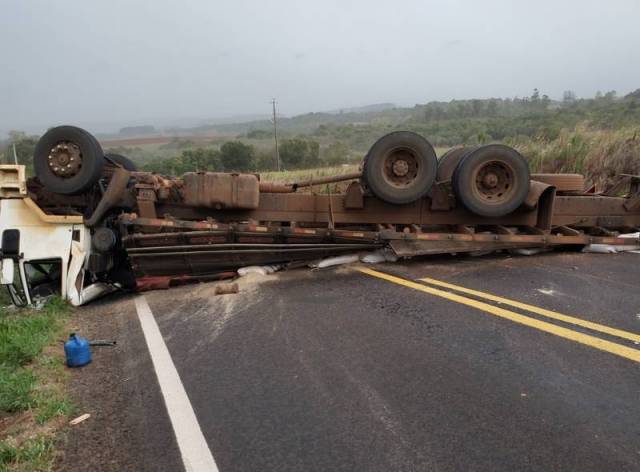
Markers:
478,121
236,156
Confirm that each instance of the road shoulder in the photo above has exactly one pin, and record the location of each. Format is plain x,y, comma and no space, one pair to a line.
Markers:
128,428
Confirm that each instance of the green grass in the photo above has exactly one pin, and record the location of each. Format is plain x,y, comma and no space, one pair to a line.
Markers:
49,407
32,455
16,386
32,381
24,333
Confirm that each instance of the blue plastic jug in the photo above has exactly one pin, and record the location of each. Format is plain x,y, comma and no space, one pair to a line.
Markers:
77,351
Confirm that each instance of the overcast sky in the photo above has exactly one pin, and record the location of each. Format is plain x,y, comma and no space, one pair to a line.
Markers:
102,63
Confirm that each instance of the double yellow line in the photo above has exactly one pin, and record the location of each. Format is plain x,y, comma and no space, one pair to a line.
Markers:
582,338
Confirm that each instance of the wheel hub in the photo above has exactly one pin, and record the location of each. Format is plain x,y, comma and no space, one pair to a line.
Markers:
400,168
65,159
494,182
490,180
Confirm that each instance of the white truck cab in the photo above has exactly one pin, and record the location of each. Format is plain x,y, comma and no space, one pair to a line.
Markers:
42,254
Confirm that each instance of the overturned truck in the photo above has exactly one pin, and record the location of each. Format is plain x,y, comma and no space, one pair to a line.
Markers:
90,223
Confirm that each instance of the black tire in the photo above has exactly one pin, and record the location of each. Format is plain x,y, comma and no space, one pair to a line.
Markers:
122,161
449,161
400,152
492,180
88,166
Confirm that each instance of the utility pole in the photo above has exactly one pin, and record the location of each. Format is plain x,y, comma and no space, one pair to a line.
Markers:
275,133
15,155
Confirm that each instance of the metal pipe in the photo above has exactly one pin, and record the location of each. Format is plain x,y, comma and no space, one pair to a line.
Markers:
330,179
276,187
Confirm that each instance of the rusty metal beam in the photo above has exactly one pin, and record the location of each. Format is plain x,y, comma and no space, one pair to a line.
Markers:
575,211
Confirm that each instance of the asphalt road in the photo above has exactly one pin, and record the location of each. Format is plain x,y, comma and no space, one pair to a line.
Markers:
345,371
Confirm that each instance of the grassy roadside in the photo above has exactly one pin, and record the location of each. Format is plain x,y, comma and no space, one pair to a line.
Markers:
599,155
33,403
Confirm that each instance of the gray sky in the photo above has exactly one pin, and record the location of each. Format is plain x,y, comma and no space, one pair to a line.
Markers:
111,63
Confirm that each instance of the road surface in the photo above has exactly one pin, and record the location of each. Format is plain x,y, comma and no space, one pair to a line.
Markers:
450,363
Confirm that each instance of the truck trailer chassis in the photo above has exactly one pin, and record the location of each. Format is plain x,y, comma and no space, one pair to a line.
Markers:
135,229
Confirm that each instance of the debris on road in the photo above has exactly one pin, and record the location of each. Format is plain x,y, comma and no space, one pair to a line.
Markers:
373,258
79,419
608,249
613,249
260,270
630,235
381,255
225,289
334,261
546,291
164,282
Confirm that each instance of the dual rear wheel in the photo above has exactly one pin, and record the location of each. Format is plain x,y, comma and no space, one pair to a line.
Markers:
490,181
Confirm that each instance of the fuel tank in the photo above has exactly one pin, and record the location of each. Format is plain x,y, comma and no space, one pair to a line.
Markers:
221,190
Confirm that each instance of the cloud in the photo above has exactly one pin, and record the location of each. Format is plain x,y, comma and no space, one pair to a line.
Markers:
167,61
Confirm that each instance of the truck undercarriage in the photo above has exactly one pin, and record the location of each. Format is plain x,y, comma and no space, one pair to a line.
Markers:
125,228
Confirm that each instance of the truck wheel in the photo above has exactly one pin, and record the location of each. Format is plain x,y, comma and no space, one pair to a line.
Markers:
122,161
400,167
449,161
68,160
492,180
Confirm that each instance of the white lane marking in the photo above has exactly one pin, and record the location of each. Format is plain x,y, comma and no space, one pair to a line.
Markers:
195,452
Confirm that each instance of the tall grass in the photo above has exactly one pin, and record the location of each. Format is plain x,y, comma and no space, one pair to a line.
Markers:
600,155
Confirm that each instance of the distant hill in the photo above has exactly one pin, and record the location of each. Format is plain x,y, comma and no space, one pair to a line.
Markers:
364,109
144,130
444,123
309,122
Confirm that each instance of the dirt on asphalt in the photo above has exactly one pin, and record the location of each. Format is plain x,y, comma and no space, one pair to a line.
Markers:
117,431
